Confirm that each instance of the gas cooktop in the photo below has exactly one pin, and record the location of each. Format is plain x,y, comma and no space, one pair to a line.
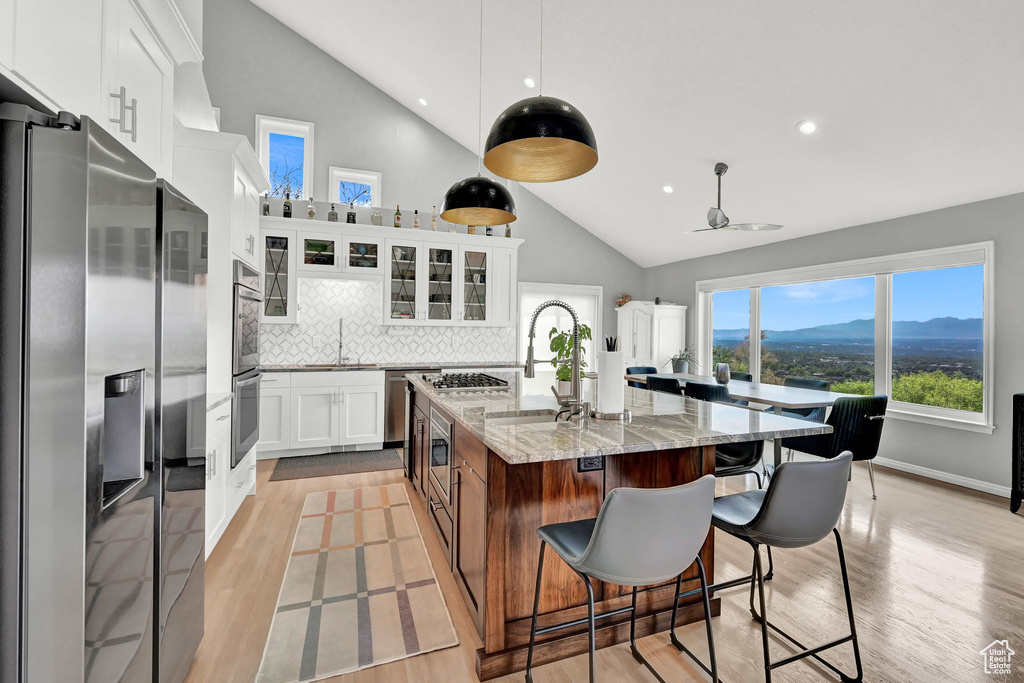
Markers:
467,381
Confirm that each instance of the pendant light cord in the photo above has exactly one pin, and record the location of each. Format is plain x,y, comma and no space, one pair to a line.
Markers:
540,75
480,102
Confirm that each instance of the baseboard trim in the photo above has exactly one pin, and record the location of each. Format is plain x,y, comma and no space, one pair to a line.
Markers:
957,480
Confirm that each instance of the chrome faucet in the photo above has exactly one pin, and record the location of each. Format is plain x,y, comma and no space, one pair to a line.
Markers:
341,342
574,400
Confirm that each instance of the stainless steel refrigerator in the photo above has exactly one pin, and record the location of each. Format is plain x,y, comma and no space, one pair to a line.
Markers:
102,408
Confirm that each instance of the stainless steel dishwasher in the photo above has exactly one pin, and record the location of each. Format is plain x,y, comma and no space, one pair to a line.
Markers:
395,416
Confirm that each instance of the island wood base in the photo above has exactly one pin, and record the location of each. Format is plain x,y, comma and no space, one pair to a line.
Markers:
488,528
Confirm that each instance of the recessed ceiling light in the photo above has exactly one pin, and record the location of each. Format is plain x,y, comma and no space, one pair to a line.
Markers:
423,102
807,127
529,82
667,189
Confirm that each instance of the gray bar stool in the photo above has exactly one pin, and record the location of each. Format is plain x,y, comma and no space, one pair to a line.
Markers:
641,537
800,507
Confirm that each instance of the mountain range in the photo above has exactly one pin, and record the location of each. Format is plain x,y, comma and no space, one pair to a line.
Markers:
936,328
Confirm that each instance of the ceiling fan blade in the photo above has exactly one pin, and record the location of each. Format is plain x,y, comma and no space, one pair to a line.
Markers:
703,230
752,227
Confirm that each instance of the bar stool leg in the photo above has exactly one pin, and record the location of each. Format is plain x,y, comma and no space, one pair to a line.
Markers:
536,606
590,618
871,475
707,620
632,640
759,575
849,609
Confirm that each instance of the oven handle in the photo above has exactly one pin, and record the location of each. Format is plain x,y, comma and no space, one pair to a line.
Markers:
246,293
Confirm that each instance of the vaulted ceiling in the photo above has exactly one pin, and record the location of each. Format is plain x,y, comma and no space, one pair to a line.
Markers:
920,103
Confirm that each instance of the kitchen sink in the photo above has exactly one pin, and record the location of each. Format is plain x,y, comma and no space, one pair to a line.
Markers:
521,419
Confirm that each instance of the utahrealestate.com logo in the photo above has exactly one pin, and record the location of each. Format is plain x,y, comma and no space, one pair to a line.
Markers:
997,657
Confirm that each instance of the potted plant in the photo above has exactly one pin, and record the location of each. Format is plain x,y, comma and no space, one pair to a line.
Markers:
681,360
561,346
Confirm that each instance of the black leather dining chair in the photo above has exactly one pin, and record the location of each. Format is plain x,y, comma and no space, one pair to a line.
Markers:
730,458
742,376
815,414
856,423
640,370
669,385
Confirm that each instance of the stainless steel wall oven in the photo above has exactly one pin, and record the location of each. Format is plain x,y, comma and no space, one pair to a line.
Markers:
245,383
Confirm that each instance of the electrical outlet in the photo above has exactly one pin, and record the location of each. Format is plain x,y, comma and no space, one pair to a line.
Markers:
318,341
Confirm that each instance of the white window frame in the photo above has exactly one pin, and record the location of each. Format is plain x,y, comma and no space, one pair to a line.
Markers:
576,290
265,125
882,269
336,174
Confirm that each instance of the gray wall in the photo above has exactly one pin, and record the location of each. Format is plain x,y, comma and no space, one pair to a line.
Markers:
960,453
256,65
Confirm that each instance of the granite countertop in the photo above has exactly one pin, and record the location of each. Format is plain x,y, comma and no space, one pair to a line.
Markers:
216,399
660,421
312,367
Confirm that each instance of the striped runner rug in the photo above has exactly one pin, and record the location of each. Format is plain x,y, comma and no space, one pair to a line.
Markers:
359,589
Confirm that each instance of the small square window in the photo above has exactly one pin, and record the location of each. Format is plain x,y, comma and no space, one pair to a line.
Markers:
353,186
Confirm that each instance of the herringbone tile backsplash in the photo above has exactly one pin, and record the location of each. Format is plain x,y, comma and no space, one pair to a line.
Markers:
358,303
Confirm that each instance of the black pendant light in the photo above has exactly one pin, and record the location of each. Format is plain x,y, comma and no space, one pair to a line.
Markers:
478,200
541,139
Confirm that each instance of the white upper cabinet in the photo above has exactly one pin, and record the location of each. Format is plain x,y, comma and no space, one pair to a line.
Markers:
278,264
54,47
428,278
138,75
245,214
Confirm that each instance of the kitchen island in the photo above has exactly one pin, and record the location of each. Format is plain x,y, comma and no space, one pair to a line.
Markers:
493,466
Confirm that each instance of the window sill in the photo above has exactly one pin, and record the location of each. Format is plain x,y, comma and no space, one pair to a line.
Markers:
909,414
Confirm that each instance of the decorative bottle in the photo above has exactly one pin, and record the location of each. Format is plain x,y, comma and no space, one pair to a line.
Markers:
471,230
376,217
416,219
350,217
451,227
433,220
398,216
287,210
332,215
508,230
490,231
311,210
266,204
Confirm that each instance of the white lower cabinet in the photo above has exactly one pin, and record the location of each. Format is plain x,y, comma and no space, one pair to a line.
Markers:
218,470
362,415
302,413
314,417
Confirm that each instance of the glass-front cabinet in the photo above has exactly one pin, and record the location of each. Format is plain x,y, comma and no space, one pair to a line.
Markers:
319,253
402,301
475,301
440,266
280,282
363,255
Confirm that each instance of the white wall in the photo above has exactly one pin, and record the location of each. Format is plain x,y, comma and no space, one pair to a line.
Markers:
954,453
256,65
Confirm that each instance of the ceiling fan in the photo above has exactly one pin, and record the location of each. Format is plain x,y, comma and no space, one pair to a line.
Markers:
717,218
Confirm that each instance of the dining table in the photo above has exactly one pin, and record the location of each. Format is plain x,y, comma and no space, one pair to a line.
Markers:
775,395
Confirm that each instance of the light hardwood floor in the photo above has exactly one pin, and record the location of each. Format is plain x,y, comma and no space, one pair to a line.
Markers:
937,574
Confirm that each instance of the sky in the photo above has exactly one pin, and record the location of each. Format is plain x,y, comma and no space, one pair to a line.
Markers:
286,151
920,295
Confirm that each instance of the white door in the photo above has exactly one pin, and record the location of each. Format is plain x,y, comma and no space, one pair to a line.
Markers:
362,415
280,281
364,255
275,419
503,280
642,329
146,73
314,418
55,47
217,466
